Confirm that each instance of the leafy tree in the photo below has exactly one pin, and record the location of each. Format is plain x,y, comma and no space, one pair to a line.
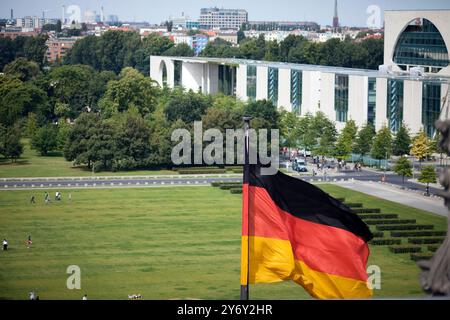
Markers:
153,44
45,139
264,113
63,133
185,106
132,89
289,129
180,50
364,139
403,168
101,145
421,147
240,35
31,125
307,135
325,133
382,144
23,69
10,145
35,48
428,175
346,139
402,141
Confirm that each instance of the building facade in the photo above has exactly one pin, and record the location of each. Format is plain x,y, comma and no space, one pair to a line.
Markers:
215,18
57,48
385,97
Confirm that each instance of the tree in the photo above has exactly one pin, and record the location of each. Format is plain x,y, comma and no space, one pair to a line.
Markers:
180,50
421,147
403,168
10,145
153,44
45,139
240,35
344,145
31,125
265,114
186,106
289,130
428,175
364,139
382,145
23,69
101,146
132,89
402,141
58,26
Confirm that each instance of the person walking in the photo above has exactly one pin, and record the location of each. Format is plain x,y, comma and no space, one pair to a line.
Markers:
29,241
47,198
33,199
85,297
5,245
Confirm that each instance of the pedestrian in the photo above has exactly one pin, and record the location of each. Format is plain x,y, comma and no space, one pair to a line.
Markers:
33,199
5,245
29,242
85,297
47,198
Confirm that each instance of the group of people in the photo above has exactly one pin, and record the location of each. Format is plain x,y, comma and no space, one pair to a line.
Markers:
5,243
134,296
47,200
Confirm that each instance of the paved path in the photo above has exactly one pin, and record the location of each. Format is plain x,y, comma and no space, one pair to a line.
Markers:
383,191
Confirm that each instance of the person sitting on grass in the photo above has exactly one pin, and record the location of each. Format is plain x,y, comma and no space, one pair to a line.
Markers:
5,245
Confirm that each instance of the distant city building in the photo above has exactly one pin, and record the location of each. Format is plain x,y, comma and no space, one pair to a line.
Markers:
14,32
215,18
112,18
335,16
57,48
197,42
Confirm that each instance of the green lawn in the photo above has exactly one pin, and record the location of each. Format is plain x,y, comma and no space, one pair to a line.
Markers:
31,164
165,243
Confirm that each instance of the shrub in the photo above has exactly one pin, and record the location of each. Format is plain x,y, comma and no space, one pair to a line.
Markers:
378,234
389,221
195,168
378,216
405,248
236,191
433,247
420,233
405,227
230,186
426,240
340,199
384,241
421,256
366,210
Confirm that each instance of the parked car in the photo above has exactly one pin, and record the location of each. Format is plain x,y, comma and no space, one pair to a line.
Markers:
299,165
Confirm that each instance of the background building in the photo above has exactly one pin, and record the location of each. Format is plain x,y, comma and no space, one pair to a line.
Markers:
215,18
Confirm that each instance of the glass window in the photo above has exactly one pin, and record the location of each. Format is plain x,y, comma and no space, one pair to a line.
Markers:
296,91
272,85
371,100
341,97
251,82
177,72
431,106
394,110
227,80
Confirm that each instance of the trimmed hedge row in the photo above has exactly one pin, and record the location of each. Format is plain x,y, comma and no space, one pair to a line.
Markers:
389,221
219,184
378,234
230,186
236,191
384,241
421,256
405,248
433,247
396,227
202,171
237,170
340,199
421,233
366,210
354,205
426,240
195,168
366,216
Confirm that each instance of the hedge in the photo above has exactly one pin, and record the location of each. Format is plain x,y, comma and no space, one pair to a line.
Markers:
236,191
354,205
230,186
237,171
340,199
378,216
421,256
433,247
219,184
195,168
421,233
366,210
405,248
426,240
202,171
396,227
389,221
378,234
384,241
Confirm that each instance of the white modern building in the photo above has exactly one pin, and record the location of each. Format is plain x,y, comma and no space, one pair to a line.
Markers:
215,18
411,87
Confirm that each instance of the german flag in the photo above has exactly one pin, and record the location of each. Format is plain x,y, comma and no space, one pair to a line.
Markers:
293,230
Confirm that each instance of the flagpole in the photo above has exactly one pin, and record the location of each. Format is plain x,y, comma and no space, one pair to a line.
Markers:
245,254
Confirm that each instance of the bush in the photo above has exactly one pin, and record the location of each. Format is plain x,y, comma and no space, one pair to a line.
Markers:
236,191
194,168
384,241
378,234
421,233
202,171
433,247
389,221
220,184
405,248
426,240
354,205
421,256
405,227
366,210
237,170
340,199
231,186
365,216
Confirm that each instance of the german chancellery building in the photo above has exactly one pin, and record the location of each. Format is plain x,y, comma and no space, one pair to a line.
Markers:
412,86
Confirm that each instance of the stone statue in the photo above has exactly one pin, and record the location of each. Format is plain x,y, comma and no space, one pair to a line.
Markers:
435,276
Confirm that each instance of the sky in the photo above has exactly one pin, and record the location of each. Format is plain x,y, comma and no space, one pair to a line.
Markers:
351,12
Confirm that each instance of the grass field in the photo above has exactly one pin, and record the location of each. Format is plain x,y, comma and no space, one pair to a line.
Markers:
164,243
33,165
